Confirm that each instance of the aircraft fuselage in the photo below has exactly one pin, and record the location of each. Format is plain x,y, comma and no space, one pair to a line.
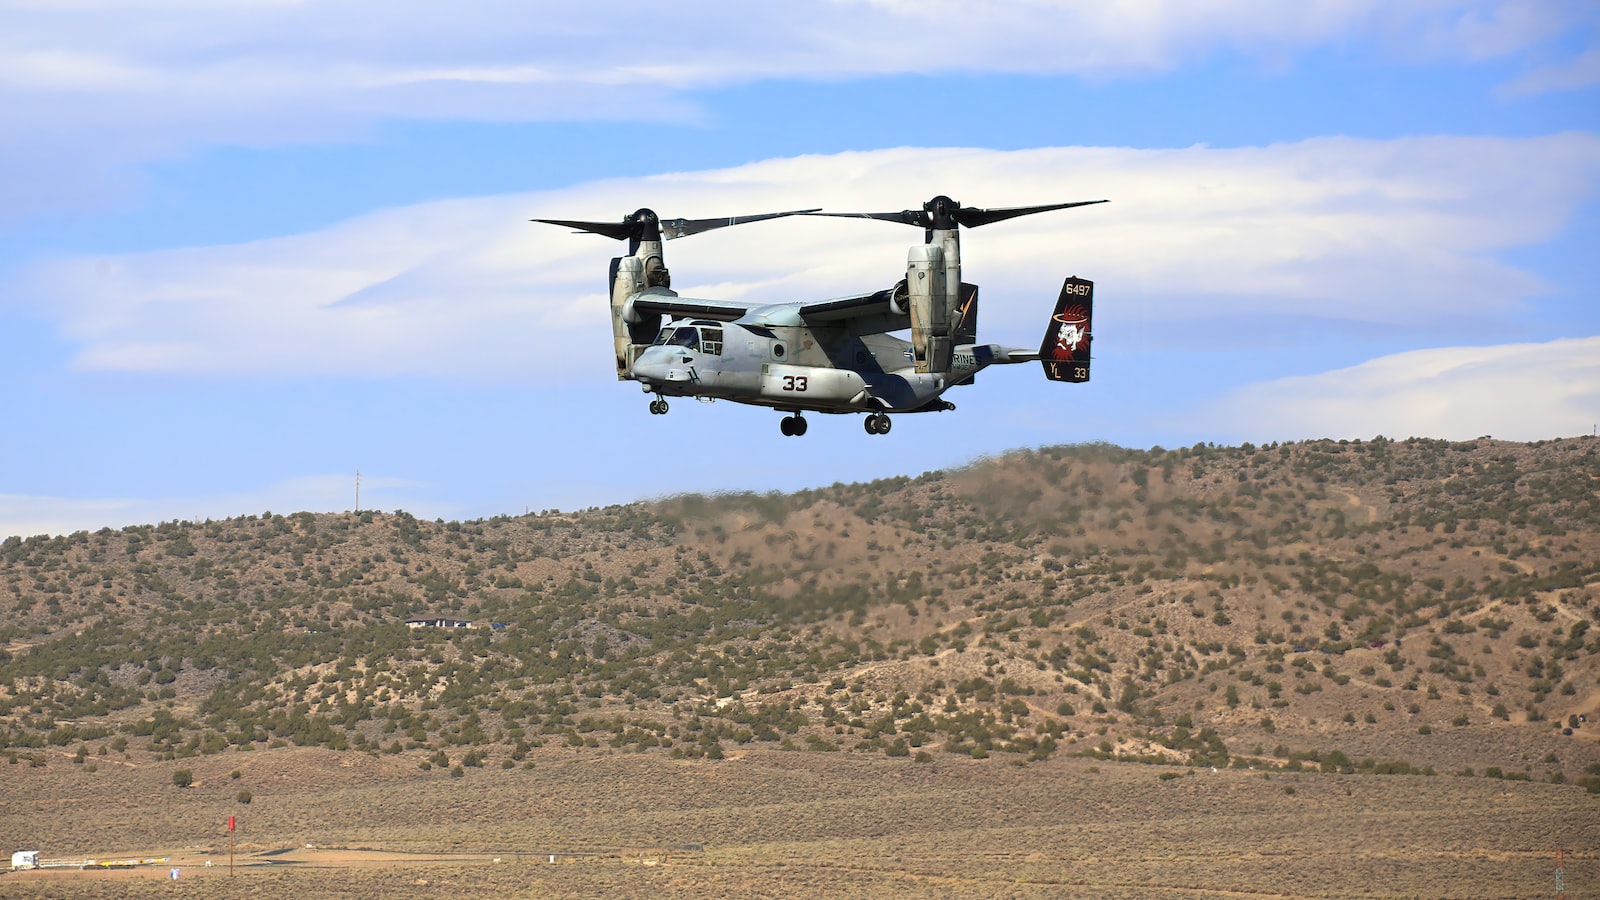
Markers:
795,367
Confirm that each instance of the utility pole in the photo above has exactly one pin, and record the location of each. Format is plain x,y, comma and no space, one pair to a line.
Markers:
358,492
1561,873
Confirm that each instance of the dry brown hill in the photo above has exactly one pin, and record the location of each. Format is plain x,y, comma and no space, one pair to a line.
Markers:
1368,606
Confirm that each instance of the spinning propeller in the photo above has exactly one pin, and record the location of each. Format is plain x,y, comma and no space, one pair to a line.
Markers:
645,225
943,213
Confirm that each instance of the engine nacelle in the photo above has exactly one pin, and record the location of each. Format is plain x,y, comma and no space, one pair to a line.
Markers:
929,307
630,330
627,279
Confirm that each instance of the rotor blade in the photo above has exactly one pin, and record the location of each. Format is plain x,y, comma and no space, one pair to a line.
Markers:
969,216
905,216
677,228
972,217
617,231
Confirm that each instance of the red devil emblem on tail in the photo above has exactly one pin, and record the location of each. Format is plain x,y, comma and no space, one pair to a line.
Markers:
1065,350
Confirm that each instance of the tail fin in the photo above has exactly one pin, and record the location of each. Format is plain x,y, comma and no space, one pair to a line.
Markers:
964,324
1065,350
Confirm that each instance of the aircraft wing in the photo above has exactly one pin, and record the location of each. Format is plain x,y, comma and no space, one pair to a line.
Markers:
669,304
872,313
861,314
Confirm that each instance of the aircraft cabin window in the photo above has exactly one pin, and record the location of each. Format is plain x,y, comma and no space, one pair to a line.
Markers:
711,341
681,337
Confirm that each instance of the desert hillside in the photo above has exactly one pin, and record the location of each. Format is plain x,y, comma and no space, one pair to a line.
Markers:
1369,607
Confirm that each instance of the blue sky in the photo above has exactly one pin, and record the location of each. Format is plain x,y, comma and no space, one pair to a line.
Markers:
248,249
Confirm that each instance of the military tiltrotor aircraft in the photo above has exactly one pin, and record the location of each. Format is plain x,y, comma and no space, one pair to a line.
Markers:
828,356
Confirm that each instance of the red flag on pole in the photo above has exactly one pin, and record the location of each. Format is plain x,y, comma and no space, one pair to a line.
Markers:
230,823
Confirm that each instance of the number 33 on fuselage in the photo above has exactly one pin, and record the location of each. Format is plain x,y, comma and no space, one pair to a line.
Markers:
831,356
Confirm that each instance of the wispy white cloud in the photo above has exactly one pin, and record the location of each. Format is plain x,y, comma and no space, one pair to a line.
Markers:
1519,392
24,515
180,49
90,89
1392,232
260,48
1579,72
1498,29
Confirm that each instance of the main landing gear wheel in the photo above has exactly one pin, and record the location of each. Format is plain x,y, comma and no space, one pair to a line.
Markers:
877,423
792,426
658,407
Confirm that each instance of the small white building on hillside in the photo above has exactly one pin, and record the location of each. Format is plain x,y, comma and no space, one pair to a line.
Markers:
438,623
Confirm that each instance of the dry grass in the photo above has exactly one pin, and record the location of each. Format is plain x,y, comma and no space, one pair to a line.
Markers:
792,824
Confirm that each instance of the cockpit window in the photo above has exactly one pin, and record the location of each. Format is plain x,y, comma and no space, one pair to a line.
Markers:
681,337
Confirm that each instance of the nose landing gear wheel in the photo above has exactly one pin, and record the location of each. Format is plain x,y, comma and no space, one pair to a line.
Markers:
792,426
877,423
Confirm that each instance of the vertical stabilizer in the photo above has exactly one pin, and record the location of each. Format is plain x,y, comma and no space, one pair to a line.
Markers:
966,317
1065,350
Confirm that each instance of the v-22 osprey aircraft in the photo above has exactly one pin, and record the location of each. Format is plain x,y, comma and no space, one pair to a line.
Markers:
827,356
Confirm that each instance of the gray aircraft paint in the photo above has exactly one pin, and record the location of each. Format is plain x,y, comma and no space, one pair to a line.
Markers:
831,356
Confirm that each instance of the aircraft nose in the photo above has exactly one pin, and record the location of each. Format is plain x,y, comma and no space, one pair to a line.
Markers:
648,367
659,365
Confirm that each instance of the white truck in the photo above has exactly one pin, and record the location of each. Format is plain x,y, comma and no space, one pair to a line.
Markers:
24,859
30,859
